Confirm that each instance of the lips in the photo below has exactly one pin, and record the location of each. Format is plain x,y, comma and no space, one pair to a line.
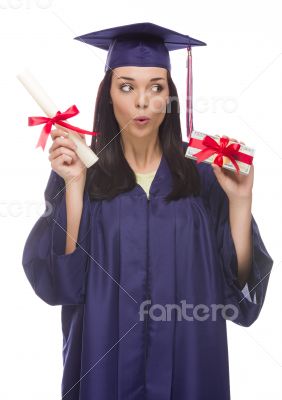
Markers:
142,118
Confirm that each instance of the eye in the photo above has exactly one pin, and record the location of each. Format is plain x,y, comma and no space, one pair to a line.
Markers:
156,88
159,87
124,86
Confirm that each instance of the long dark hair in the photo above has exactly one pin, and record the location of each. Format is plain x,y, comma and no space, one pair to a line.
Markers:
112,175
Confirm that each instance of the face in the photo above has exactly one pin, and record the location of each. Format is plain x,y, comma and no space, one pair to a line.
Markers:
137,92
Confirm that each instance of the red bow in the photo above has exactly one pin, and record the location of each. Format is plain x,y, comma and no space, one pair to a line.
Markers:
57,119
222,149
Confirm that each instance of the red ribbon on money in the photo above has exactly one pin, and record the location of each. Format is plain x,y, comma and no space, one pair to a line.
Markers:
210,146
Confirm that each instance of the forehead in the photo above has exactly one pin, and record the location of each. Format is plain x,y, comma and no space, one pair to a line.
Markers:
139,73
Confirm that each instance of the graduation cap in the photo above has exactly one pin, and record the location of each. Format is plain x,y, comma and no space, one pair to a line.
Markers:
145,45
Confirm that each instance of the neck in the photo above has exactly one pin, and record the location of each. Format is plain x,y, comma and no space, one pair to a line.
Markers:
142,154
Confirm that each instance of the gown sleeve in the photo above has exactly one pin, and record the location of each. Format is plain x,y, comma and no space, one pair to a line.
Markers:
57,278
247,300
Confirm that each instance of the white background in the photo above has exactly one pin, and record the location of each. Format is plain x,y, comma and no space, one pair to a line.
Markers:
237,92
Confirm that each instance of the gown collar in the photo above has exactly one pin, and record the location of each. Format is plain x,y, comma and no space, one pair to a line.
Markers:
161,184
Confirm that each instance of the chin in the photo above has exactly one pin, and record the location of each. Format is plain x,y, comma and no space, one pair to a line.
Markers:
140,133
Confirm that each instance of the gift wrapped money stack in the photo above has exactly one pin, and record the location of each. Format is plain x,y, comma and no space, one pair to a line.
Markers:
221,151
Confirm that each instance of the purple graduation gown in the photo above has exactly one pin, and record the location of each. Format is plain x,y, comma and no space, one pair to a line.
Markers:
131,249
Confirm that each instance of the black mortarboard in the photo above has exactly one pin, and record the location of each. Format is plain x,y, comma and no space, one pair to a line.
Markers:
144,45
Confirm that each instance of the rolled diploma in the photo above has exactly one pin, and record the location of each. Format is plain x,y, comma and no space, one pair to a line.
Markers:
87,156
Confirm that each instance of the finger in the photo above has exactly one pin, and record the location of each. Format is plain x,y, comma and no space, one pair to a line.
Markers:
65,142
80,136
63,150
61,160
58,132
216,168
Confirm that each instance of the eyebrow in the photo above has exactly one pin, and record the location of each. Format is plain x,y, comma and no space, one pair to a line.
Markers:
131,79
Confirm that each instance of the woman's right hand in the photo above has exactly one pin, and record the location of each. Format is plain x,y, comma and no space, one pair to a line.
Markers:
64,159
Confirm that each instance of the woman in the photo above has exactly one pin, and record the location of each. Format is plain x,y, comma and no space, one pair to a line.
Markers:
146,280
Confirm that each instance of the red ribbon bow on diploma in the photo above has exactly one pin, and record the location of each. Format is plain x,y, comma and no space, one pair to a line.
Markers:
222,149
57,119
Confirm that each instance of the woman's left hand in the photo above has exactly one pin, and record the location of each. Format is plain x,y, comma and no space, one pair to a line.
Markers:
236,186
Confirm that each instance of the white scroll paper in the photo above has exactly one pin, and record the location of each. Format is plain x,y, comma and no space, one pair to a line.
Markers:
84,152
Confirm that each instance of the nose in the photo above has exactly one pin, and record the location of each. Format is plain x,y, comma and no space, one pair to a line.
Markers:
141,100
